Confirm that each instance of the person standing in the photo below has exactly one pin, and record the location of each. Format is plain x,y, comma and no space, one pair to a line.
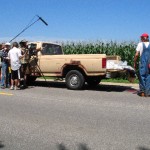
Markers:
143,49
15,55
2,46
5,64
24,63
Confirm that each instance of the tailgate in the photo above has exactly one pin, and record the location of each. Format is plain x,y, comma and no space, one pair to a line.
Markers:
117,68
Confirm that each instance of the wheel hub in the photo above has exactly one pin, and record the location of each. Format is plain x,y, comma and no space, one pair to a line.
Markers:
74,80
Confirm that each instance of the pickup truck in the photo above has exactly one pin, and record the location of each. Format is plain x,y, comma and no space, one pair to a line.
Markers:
48,59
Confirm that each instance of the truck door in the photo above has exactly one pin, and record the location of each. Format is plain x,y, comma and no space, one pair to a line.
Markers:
48,62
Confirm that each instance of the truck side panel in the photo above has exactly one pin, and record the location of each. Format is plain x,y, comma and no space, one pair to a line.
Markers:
54,64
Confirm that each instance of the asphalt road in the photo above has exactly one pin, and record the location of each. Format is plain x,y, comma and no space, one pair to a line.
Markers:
50,117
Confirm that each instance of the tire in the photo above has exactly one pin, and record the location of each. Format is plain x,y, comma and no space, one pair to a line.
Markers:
93,81
75,80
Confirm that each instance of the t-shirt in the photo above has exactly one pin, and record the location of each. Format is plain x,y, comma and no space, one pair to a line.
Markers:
14,55
139,47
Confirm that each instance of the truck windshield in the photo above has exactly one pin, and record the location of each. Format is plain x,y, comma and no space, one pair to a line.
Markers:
51,49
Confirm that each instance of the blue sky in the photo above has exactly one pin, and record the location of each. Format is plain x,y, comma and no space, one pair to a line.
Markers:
75,20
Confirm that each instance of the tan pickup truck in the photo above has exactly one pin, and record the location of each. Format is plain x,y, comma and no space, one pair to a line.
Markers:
48,59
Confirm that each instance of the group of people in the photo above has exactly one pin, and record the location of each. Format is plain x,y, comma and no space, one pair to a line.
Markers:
14,65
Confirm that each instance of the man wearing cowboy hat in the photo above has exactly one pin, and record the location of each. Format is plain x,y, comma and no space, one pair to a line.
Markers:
24,63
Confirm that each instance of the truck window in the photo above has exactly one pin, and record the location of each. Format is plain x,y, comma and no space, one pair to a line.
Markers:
51,49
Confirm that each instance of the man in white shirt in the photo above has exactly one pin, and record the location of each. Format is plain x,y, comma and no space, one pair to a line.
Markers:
15,55
143,49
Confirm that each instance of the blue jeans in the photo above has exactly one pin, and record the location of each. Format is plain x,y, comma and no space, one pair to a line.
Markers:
5,75
144,78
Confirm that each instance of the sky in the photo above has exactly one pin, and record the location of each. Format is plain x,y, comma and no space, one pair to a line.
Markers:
74,20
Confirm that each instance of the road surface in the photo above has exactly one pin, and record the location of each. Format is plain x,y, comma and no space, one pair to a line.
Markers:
47,116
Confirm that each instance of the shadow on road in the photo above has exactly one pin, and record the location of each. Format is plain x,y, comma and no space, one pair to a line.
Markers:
81,146
113,88
1,145
100,87
61,147
143,148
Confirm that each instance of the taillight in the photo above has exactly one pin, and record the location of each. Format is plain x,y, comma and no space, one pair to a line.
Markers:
103,62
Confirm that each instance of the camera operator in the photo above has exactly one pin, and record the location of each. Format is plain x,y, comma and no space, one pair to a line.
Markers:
24,64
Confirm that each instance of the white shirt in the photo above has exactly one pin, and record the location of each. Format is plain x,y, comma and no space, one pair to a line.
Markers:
139,47
14,55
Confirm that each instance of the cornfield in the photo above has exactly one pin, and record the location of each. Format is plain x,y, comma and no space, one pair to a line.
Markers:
126,50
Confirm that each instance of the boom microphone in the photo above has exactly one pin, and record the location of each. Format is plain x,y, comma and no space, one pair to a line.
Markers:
43,21
28,26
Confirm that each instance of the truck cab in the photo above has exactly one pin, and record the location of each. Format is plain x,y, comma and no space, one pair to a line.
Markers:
45,48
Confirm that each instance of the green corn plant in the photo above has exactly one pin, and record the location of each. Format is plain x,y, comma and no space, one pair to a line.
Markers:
126,50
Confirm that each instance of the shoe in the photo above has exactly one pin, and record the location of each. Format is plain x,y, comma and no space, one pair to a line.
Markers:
142,94
2,87
23,86
11,88
8,86
16,88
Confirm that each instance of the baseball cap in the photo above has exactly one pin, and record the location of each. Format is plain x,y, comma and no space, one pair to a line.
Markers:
144,35
7,43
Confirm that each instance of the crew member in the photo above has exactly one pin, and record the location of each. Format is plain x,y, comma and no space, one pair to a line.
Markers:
15,55
5,65
24,63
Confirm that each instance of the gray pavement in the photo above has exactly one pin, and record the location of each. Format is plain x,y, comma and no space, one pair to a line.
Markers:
42,117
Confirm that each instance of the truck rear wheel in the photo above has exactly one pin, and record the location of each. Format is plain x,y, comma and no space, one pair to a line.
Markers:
75,80
93,81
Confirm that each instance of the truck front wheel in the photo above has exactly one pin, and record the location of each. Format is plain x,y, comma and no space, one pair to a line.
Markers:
75,80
